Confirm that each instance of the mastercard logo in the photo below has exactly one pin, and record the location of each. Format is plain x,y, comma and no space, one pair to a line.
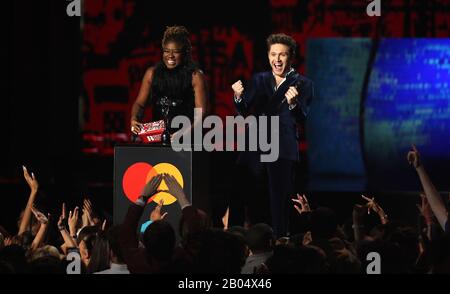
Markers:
139,174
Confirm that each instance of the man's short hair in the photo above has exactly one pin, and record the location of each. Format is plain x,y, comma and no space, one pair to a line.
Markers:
282,39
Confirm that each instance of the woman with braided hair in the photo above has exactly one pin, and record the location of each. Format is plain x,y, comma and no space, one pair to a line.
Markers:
175,77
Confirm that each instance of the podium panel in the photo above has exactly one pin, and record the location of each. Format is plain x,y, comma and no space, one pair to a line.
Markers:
135,165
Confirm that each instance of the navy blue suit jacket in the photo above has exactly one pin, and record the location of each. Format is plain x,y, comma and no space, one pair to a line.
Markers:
261,99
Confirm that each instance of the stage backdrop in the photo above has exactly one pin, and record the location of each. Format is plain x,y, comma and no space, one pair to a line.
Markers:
352,131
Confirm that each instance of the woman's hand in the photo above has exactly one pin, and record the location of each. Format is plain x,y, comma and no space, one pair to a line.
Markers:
413,157
373,205
135,126
304,205
151,188
31,180
156,215
40,216
73,221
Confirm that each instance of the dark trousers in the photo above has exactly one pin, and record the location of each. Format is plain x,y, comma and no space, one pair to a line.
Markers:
263,193
281,176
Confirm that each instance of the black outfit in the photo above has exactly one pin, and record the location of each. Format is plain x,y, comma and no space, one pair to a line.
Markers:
176,85
262,99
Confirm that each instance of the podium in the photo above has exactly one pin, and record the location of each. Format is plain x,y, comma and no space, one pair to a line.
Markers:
136,164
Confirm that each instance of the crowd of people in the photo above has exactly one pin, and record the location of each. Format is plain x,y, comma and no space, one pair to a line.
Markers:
323,245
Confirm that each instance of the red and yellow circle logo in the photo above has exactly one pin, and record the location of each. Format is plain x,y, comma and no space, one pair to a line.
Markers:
139,174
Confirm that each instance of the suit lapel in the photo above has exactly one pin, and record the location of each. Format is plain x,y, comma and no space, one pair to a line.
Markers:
278,96
269,85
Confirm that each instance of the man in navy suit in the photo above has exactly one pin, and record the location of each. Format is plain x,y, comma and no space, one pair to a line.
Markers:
284,93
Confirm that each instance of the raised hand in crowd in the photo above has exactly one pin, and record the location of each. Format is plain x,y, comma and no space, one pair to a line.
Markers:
88,215
40,236
432,195
42,219
73,222
31,180
413,157
425,209
64,212
151,188
34,186
62,218
156,212
303,202
373,205
68,240
426,213
176,190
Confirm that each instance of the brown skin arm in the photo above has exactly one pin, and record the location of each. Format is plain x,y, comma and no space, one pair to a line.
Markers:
432,195
141,100
27,215
200,87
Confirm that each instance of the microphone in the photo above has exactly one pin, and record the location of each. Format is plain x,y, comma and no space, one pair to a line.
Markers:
298,86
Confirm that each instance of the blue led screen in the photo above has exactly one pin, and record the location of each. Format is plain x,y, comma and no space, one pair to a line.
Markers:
372,101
